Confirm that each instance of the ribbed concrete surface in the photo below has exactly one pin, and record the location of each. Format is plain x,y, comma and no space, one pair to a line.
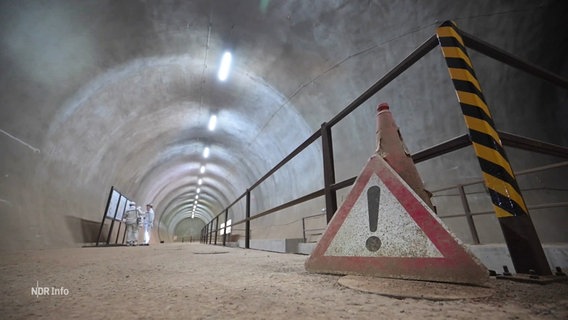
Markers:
194,281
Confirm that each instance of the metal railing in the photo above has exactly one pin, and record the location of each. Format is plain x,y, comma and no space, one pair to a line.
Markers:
468,214
306,231
210,232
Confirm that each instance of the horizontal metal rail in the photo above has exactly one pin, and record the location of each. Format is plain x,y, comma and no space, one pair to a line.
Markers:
519,142
531,207
420,52
507,58
289,157
296,201
313,216
442,148
517,173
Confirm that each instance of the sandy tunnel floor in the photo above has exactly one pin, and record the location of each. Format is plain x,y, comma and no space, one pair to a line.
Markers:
194,281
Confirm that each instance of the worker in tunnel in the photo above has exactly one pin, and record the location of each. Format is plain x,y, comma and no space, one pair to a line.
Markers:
132,220
148,223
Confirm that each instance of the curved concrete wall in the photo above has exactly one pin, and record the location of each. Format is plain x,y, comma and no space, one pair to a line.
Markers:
118,93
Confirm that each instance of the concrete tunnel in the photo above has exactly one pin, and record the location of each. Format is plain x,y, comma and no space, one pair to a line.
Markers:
119,93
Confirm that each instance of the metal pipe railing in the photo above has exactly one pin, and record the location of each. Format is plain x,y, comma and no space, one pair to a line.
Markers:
437,150
515,62
518,173
465,204
531,207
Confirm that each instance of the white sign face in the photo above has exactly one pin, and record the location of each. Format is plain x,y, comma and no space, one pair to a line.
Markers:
117,205
115,197
396,235
121,207
229,226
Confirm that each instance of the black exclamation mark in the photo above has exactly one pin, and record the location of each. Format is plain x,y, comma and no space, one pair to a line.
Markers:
373,196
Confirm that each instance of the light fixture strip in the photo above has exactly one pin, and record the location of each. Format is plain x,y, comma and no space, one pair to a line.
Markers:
223,73
212,122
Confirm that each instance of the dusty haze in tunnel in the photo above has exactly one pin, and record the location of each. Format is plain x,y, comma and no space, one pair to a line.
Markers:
119,93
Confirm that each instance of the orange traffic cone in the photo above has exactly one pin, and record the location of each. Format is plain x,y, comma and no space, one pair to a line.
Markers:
391,147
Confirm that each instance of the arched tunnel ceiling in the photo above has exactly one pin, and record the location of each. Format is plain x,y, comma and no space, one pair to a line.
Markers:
147,123
119,93
157,134
162,134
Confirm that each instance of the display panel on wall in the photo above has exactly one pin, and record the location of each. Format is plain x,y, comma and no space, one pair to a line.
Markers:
117,205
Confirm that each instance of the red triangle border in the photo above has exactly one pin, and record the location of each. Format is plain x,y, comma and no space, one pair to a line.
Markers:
456,265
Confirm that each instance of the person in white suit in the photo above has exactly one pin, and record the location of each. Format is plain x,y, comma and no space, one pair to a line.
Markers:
132,219
148,223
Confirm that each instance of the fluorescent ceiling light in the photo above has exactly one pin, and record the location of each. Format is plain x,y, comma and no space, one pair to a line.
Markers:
202,169
212,122
206,152
198,190
223,73
196,196
200,181
192,215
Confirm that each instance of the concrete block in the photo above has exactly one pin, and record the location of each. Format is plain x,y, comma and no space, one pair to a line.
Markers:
557,255
306,248
495,256
274,245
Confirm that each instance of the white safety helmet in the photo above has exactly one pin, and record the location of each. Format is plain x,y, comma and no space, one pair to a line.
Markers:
132,204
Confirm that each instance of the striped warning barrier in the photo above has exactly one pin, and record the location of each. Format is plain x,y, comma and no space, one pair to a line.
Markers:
505,193
497,172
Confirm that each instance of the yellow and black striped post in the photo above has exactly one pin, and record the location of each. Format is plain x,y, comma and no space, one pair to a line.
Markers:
519,232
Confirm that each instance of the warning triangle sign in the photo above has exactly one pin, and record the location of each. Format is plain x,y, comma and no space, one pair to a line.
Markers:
384,229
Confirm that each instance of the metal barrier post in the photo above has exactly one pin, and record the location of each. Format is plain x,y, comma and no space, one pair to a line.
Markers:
118,232
211,232
468,216
216,229
328,171
113,219
225,229
104,215
304,229
519,232
247,223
